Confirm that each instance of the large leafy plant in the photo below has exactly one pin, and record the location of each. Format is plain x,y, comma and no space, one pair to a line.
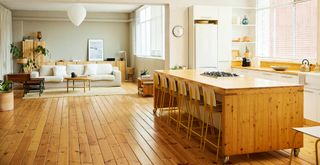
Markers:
41,50
15,51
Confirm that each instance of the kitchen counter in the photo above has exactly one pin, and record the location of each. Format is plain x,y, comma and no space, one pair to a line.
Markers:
227,84
257,114
291,72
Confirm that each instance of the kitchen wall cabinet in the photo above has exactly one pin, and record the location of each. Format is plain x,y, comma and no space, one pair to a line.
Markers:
220,18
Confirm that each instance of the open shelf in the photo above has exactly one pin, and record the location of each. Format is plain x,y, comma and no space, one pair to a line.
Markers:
244,42
249,25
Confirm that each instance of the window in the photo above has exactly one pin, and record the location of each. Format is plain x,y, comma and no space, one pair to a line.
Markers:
287,29
149,32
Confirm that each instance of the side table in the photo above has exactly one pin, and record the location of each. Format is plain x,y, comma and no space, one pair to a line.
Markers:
145,86
34,84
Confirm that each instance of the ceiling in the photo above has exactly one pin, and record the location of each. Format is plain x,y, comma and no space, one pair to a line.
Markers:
60,6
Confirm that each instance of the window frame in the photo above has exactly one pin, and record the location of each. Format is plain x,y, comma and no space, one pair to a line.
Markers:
137,24
295,57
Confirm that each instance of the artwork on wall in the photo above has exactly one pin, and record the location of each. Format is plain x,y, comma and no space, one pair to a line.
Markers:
95,50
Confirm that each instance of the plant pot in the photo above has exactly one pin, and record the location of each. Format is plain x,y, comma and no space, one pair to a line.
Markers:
22,60
6,101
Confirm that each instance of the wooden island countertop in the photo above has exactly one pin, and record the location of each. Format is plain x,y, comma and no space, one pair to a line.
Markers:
227,84
257,114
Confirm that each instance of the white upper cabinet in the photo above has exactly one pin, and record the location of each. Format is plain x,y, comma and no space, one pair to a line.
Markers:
224,33
205,12
221,18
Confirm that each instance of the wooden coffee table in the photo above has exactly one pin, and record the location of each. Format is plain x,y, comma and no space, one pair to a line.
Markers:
86,83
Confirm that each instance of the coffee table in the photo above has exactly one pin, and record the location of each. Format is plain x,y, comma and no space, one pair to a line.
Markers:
86,82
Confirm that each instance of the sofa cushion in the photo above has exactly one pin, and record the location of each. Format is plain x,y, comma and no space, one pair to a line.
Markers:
103,69
90,69
102,77
53,78
59,70
46,70
77,69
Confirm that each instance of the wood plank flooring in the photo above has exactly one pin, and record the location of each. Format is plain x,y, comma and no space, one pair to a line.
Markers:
118,129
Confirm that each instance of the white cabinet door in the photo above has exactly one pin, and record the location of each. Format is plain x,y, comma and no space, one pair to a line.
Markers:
206,45
225,34
311,104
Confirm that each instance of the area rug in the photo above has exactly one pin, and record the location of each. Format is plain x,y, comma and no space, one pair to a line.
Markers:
95,91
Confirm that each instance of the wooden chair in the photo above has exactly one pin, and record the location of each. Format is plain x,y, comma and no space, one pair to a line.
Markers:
195,114
311,131
164,88
157,89
211,115
173,98
183,105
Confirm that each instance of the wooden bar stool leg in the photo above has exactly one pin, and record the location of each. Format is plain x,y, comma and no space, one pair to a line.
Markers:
317,157
294,138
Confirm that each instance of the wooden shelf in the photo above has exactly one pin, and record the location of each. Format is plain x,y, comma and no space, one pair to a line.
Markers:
240,25
244,42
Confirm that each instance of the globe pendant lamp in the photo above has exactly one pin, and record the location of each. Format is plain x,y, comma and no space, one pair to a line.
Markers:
76,14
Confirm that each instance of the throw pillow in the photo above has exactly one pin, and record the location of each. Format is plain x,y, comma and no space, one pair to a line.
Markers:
46,70
90,69
59,70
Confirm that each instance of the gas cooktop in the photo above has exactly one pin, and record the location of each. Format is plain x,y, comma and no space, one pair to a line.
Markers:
219,74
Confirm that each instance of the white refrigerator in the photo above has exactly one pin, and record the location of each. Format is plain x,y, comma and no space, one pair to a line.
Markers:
206,45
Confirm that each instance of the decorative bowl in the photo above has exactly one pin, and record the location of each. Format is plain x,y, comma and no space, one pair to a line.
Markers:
279,68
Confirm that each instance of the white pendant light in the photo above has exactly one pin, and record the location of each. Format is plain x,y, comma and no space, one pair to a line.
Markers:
76,14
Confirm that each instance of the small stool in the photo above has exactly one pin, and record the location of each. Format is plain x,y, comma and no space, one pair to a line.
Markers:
312,131
130,72
34,84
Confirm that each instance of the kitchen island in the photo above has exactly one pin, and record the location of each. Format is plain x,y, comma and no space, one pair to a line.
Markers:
257,114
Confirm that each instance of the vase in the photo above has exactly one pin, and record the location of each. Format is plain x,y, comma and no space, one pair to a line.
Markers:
245,20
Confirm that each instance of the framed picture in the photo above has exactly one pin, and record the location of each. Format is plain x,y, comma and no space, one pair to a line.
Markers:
95,50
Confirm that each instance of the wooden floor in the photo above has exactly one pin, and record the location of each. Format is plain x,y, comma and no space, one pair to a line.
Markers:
118,129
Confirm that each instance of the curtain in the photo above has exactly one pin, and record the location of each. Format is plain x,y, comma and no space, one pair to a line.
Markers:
6,61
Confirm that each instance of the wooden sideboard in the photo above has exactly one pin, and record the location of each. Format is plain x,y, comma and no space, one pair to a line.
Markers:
28,47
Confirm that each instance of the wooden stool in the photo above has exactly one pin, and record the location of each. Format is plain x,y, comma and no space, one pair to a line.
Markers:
183,105
211,115
130,72
173,98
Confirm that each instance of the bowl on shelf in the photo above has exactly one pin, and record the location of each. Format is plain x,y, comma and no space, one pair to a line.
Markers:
279,68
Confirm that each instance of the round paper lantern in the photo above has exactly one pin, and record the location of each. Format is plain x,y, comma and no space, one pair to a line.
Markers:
77,14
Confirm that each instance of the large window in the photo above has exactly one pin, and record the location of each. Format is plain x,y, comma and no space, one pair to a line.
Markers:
149,32
287,29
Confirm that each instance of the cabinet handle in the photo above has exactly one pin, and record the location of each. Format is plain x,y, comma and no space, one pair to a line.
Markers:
308,91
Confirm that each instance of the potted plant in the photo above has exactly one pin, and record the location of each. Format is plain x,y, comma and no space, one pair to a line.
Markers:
17,54
39,50
6,96
145,73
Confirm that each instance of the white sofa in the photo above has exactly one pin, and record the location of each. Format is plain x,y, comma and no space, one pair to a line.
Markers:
102,75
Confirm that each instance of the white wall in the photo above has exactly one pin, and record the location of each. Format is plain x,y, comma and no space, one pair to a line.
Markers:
177,48
177,52
66,41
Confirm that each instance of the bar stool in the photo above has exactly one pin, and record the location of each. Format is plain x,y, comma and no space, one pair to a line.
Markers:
211,115
195,101
157,88
183,105
173,98
164,88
